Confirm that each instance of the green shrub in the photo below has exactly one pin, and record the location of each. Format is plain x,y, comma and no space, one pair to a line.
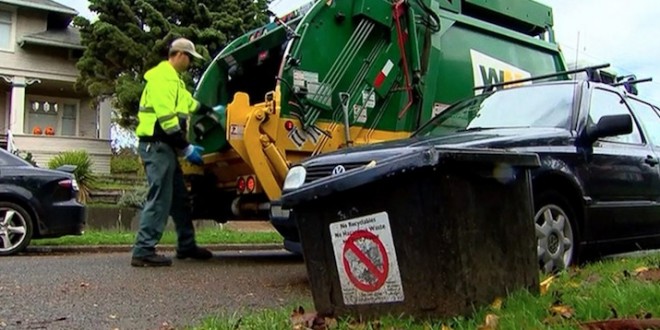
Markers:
125,161
134,198
83,172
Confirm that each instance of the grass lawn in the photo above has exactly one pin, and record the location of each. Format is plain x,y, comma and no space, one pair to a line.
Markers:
203,236
623,288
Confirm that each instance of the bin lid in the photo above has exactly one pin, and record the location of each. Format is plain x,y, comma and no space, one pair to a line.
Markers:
392,166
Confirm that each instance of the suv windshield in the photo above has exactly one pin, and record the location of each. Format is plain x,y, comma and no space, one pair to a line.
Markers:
531,106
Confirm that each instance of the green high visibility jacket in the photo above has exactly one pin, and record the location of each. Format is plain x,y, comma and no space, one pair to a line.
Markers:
165,100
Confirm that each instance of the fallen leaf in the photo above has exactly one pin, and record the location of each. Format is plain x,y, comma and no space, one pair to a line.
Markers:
320,323
562,310
649,275
301,320
622,324
446,327
545,284
593,278
166,326
331,323
497,304
358,326
491,322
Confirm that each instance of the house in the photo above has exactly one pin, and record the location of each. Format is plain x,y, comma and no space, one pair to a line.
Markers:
40,112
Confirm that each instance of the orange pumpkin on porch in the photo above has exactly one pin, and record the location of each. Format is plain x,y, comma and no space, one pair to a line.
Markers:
49,131
36,130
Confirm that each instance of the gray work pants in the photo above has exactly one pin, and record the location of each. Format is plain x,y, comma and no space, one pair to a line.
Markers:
167,196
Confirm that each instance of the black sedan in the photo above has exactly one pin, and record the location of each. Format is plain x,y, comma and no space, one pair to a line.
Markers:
598,185
35,203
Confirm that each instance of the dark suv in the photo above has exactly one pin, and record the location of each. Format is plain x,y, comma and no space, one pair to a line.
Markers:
599,180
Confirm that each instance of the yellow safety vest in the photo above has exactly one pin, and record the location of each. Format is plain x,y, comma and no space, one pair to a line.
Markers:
164,99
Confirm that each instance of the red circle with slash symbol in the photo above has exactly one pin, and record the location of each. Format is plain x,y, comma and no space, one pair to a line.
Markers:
378,274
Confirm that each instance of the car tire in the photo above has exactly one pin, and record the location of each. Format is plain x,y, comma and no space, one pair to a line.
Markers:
17,229
557,233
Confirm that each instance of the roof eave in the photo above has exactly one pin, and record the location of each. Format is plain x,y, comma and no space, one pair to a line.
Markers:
41,42
21,3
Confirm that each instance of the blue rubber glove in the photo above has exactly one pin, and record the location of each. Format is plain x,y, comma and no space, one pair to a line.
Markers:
193,154
219,109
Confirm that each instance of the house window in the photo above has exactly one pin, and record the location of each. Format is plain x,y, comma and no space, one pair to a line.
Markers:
69,112
49,117
5,29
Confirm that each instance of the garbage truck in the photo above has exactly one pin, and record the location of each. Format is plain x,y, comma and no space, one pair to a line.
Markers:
341,73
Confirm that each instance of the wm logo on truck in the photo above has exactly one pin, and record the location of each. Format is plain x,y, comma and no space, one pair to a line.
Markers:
487,70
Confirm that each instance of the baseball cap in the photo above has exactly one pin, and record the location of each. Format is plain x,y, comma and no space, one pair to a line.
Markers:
185,45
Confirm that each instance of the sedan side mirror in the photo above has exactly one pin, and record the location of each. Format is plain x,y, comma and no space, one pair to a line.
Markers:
609,126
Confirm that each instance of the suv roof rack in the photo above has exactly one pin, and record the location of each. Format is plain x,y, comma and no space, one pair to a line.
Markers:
590,70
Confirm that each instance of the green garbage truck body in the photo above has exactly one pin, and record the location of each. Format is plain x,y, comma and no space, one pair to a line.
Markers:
336,74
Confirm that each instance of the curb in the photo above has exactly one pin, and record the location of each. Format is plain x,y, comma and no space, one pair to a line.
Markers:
128,248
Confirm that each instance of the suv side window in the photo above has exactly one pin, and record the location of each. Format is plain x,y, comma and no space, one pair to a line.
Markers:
649,119
604,103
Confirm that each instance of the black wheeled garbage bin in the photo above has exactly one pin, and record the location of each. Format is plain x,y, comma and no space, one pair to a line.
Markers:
434,234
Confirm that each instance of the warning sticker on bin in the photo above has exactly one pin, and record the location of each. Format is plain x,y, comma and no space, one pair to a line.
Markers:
366,260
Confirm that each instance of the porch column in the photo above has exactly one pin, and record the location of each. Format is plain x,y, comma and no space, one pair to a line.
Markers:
17,113
17,110
104,119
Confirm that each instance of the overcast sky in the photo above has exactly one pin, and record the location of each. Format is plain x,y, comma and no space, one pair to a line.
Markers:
625,34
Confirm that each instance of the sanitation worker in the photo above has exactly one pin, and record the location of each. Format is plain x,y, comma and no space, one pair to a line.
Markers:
164,107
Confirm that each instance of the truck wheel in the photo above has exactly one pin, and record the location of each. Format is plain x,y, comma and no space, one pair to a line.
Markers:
15,228
556,232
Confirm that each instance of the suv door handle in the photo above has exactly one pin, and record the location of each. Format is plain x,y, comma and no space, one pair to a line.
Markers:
652,161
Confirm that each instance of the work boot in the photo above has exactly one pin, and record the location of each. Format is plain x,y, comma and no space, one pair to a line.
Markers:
195,253
154,260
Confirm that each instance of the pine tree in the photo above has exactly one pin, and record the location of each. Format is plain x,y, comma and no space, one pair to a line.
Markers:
131,36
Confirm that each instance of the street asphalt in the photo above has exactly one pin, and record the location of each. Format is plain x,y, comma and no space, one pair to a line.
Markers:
127,248
63,289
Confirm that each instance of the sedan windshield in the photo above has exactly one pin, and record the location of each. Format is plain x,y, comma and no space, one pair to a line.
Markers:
532,106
